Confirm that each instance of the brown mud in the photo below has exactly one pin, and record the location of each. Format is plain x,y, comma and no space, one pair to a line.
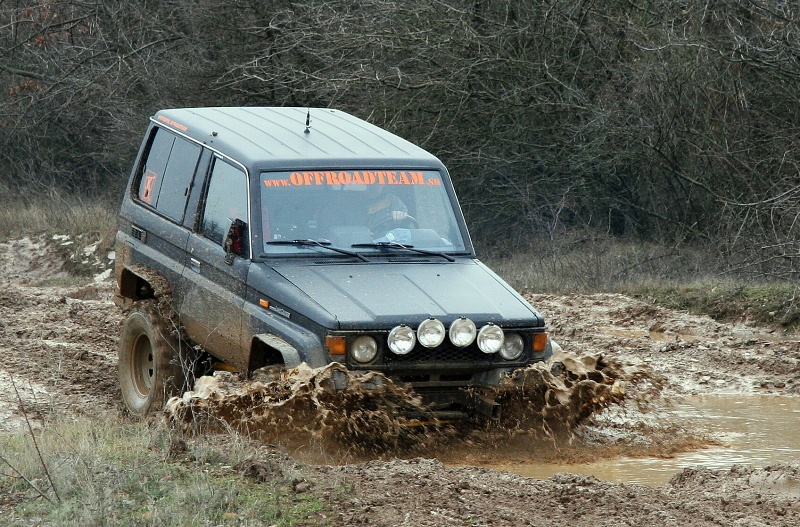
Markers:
58,346
304,406
372,416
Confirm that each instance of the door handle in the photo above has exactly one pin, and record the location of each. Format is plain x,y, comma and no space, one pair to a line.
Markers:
195,263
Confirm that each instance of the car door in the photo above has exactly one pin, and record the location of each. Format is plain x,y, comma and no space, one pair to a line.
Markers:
152,218
214,285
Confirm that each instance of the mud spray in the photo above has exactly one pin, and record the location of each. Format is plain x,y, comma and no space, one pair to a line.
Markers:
358,415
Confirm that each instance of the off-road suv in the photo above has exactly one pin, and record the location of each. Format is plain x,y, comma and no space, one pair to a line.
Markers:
277,236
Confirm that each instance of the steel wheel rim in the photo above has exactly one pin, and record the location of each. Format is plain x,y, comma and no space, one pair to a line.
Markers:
143,365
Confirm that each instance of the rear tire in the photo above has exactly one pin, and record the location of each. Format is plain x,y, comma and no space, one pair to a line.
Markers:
154,364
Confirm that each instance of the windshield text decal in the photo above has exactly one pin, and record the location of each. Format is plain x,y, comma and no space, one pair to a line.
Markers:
364,177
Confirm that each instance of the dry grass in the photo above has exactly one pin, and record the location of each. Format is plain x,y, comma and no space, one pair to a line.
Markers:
775,303
125,473
590,263
74,226
689,278
54,213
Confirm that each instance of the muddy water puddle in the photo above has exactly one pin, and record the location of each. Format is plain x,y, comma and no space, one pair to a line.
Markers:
753,430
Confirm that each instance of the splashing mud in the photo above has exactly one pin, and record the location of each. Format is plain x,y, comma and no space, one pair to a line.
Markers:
554,397
367,413
330,406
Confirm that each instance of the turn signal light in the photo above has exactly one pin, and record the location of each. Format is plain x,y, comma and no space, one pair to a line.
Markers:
336,345
539,342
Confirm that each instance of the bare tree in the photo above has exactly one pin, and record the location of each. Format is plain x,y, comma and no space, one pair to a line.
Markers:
661,120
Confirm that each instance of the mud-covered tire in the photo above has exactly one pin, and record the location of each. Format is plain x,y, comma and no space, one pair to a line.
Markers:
154,364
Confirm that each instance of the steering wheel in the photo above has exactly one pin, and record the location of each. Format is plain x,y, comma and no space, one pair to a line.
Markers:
388,223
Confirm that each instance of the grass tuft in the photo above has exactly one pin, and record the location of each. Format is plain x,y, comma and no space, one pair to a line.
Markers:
588,263
124,473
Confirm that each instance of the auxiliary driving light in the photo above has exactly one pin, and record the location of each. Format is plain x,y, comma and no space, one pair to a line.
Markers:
363,349
431,333
512,346
402,340
490,338
462,332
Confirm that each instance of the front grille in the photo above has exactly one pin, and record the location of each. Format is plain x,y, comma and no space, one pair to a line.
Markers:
447,352
446,364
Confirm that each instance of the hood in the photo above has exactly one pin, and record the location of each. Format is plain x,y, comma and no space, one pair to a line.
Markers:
382,295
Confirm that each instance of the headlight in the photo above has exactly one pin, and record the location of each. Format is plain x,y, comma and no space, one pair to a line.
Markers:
401,340
364,348
431,333
462,332
490,338
512,346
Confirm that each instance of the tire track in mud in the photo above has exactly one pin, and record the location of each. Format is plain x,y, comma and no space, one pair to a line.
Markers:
57,343
62,339
425,493
48,344
691,354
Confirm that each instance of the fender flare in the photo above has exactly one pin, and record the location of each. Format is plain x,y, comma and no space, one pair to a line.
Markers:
290,354
127,287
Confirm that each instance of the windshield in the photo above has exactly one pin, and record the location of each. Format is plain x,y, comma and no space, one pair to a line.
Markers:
351,207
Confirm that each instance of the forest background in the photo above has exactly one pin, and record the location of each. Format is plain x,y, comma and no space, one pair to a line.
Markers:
659,136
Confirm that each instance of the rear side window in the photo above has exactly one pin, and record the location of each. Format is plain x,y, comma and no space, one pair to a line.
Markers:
167,172
226,200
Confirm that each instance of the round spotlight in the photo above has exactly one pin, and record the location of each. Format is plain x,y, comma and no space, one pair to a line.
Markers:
431,333
462,332
402,340
513,346
363,349
490,338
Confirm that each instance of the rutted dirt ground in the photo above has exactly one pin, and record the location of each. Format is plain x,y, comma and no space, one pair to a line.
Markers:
58,349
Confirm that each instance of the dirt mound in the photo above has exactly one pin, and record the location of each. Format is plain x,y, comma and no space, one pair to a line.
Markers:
692,354
740,481
26,260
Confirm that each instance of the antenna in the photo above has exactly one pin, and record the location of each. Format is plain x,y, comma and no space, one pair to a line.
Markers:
308,122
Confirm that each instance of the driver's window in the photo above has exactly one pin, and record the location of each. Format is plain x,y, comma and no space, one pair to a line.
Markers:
226,201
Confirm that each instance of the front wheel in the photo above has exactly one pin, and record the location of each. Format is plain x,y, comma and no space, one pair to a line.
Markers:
153,363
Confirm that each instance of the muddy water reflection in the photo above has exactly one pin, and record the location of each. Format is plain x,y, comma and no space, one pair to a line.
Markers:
756,430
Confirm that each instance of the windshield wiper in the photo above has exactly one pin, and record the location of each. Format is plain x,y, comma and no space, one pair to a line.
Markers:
314,243
395,245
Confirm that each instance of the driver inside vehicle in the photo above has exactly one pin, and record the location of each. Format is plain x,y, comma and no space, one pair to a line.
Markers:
385,211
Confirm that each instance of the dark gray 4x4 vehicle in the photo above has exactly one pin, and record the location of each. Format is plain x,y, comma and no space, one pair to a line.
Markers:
277,236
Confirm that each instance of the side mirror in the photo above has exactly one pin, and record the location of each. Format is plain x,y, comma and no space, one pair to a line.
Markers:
235,241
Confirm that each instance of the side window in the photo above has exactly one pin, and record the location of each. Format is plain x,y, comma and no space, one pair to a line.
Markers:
226,200
178,178
167,172
152,169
